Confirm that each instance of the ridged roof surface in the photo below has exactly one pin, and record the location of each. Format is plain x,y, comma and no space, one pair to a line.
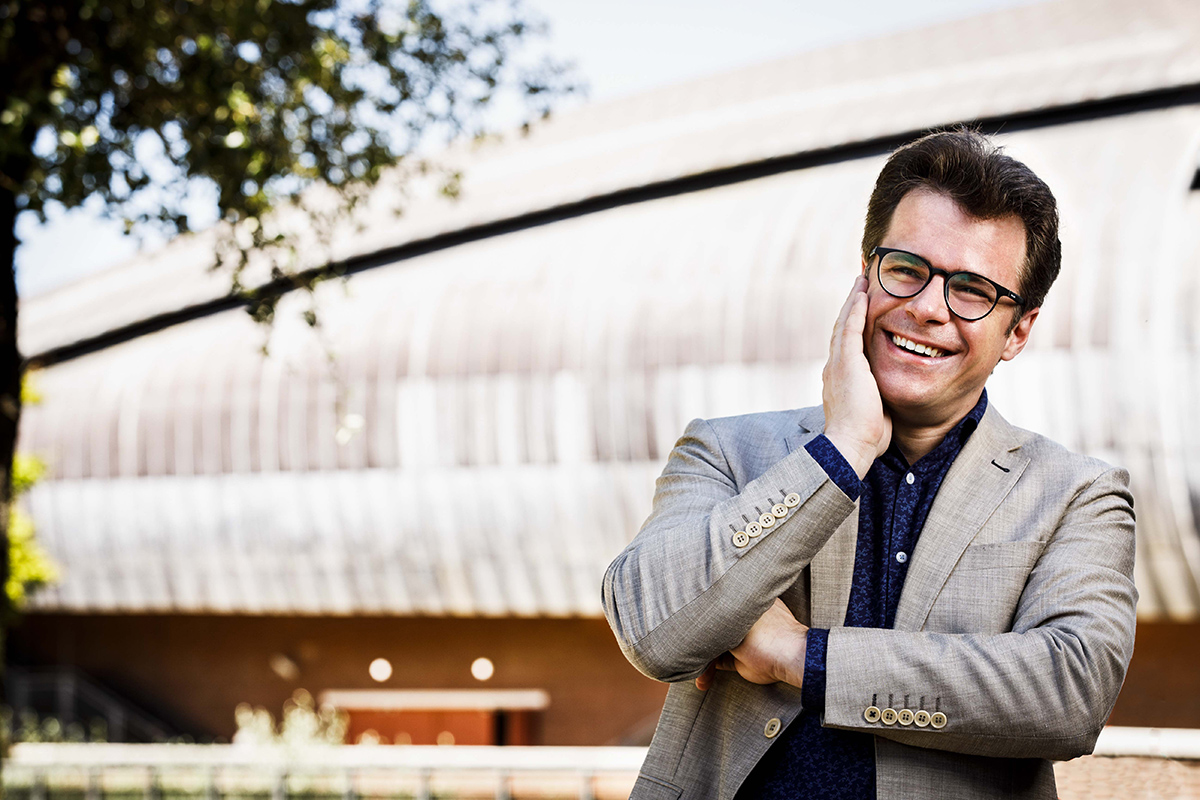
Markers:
485,437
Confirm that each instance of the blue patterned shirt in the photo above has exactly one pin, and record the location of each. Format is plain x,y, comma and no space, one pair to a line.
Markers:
808,760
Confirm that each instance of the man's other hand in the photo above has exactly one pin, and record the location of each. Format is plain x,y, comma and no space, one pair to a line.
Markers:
772,652
855,421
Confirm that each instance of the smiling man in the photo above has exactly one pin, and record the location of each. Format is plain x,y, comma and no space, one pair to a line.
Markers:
896,594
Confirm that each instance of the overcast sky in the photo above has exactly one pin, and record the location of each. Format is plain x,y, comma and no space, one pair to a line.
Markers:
619,47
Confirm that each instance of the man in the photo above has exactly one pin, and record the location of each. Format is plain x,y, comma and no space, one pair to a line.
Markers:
897,594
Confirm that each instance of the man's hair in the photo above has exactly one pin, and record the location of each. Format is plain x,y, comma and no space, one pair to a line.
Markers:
966,167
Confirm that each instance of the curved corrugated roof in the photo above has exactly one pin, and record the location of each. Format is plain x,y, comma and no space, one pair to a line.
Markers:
1003,65
486,437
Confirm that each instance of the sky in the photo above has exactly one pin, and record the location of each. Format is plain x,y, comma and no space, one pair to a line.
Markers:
618,47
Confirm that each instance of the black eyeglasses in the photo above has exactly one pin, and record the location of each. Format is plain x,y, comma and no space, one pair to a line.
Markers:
968,296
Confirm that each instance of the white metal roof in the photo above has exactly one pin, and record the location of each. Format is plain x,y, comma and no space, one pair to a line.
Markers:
997,65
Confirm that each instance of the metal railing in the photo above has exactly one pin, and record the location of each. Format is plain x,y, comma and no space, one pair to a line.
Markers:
73,697
211,772
46,771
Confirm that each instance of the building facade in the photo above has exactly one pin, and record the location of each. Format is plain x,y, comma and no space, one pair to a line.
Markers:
442,469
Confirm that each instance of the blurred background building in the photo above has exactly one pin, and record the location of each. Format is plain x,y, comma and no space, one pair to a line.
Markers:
438,474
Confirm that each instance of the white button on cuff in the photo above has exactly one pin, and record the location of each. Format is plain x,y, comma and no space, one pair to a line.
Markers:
779,510
938,720
921,718
902,556
772,728
889,716
792,500
767,520
909,478
740,539
753,529
905,717
871,714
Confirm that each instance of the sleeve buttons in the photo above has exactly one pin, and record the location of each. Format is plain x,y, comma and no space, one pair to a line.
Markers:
779,510
938,720
772,728
888,716
753,529
741,539
792,500
905,717
871,714
921,718
767,520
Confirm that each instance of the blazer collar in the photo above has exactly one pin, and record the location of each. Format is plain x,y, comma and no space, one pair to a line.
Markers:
810,423
987,468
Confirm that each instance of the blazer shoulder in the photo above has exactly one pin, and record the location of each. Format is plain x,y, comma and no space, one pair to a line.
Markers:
1049,456
749,444
770,424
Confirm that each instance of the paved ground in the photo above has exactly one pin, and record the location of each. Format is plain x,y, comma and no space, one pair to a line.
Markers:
1099,778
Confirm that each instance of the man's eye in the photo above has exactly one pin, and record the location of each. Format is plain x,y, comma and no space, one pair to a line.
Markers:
975,291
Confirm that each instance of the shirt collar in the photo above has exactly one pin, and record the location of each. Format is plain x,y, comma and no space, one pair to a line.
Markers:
948,448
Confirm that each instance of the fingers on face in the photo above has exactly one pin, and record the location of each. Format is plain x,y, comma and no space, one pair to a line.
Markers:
856,320
852,319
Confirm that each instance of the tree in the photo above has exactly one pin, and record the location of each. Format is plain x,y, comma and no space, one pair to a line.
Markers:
29,567
254,101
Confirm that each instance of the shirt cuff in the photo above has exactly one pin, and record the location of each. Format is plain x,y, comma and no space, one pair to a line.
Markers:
812,693
835,465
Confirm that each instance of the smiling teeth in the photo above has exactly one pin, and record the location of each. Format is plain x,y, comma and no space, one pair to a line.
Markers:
924,350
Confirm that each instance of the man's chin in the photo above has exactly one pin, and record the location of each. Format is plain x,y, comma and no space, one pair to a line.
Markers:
914,407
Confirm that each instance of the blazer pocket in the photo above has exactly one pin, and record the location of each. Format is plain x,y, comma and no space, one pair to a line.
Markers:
983,589
647,788
1000,555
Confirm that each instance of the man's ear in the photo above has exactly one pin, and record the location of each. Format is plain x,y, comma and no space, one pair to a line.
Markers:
863,259
1019,335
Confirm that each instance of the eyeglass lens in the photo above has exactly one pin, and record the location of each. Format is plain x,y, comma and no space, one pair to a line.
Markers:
970,296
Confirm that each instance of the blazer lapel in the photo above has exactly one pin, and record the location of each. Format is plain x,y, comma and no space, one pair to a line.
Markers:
832,568
832,574
809,425
981,477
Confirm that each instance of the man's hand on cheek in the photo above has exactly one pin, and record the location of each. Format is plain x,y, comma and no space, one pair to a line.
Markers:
855,421
772,652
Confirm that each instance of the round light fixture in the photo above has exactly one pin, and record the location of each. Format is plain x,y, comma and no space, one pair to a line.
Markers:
482,669
380,669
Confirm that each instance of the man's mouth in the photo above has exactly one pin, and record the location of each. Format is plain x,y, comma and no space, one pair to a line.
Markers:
919,349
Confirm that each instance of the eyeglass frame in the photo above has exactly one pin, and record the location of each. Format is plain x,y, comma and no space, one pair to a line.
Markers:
1001,291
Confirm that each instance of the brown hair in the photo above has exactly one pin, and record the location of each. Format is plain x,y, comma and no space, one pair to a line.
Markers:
965,166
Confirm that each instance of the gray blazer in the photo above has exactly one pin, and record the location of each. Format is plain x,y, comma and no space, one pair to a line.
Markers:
1016,621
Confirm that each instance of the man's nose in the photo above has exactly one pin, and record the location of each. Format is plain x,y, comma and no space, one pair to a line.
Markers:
929,305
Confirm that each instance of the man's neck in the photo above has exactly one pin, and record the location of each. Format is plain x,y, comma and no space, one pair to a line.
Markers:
916,443
916,437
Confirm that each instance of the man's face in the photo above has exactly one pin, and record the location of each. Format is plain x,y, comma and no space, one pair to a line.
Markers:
926,390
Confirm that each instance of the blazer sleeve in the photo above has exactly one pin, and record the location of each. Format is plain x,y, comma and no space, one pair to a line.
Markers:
692,582
1042,689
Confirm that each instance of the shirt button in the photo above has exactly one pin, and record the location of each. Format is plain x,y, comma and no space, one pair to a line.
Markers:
772,728
901,557
909,478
